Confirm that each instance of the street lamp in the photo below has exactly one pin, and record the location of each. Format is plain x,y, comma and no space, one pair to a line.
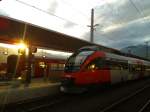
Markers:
22,47
147,54
92,26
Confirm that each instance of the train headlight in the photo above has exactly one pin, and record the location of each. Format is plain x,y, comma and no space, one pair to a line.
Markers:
19,78
92,67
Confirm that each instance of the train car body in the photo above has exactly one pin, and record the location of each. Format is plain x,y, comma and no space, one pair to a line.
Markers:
13,65
91,66
49,68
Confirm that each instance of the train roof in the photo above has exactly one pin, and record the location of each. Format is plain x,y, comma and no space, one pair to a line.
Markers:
97,48
129,60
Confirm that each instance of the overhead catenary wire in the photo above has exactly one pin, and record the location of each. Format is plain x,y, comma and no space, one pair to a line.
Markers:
49,13
136,8
139,11
111,8
74,8
133,4
119,22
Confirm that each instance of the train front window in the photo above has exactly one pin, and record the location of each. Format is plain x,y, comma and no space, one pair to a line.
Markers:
96,64
74,62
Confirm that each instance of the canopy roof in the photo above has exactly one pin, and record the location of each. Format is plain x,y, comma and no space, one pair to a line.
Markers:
13,30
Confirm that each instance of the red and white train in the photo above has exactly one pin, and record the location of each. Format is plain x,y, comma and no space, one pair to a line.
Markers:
91,66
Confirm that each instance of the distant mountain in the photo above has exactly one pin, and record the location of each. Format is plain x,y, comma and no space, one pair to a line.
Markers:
139,50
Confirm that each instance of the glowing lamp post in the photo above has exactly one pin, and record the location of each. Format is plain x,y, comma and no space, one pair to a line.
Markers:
22,49
26,51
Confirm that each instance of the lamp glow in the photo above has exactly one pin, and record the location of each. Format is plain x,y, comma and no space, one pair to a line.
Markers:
22,46
22,49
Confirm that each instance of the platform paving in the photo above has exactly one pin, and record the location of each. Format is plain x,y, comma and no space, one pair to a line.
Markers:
13,91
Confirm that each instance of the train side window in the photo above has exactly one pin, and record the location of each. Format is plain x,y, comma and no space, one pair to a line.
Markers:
113,65
147,68
54,66
124,65
135,68
139,68
61,66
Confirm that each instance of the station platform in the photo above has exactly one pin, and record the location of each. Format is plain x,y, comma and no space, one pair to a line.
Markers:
14,92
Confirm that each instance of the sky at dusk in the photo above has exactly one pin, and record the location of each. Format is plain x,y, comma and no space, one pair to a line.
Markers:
121,22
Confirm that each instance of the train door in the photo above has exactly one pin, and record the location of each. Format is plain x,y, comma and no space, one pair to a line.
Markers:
11,66
140,70
116,71
136,71
147,71
132,71
124,71
42,69
39,68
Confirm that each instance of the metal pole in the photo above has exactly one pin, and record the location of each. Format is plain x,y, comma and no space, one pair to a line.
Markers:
146,49
92,26
24,32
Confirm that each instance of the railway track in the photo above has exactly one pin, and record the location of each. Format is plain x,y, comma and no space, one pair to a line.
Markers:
34,104
47,105
73,99
39,104
111,108
134,102
146,107
98,101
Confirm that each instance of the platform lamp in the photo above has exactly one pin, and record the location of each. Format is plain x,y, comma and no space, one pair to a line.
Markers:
22,54
22,48
147,49
30,59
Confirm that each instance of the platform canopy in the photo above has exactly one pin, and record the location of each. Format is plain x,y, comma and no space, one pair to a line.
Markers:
12,31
